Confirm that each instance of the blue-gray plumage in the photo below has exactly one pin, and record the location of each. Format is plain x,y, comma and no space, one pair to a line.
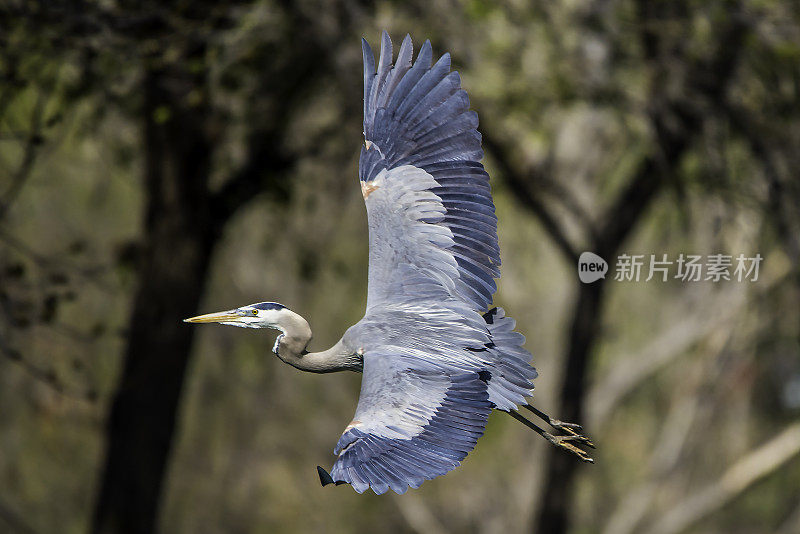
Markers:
435,359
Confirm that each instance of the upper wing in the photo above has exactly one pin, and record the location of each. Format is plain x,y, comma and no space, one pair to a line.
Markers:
433,229
414,421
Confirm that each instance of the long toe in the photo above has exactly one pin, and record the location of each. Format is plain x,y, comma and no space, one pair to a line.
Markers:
574,432
572,428
569,447
579,438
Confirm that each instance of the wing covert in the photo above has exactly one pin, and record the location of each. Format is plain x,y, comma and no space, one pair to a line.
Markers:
409,250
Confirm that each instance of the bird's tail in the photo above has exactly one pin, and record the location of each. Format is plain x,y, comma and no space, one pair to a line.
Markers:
512,373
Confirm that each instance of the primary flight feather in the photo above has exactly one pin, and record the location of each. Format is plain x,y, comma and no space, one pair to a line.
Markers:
436,360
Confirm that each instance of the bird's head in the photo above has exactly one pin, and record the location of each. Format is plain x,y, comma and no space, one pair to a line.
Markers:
259,315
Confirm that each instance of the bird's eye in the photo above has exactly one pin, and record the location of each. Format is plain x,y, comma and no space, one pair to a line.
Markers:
255,312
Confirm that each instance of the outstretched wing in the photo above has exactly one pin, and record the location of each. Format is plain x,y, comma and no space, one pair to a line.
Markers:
434,365
433,230
414,421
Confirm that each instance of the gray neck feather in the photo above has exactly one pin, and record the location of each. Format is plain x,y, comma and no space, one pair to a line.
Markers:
291,348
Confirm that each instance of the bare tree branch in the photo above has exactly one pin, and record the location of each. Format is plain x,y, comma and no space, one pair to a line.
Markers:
89,274
522,192
671,441
32,143
262,171
781,198
631,370
751,468
792,523
560,193
48,377
417,515
675,122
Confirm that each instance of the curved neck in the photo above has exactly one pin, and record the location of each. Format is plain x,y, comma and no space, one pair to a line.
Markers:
291,345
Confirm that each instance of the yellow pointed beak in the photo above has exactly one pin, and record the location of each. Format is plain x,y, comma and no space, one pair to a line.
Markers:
219,317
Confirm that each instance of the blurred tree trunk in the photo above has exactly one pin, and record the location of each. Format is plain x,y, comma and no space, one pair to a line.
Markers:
585,323
179,235
676,119
184,220
676,116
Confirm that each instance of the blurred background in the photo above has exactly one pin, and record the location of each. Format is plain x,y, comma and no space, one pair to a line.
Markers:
163,159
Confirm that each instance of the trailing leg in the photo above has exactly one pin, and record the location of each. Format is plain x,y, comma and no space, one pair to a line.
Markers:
569,442
570,428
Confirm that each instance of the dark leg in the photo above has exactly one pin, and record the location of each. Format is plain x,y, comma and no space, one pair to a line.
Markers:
570,428
562,442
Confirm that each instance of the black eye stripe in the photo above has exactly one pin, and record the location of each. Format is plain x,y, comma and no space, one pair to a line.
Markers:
268,306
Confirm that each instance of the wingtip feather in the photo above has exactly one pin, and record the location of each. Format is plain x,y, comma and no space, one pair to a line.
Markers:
425,54
369,57
386,52
405,53
324,477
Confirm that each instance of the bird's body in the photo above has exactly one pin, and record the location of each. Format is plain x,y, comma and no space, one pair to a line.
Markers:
436,360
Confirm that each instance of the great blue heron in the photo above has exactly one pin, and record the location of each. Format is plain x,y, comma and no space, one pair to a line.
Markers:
436,360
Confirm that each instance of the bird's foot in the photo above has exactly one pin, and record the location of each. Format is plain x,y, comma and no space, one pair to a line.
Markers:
571,443
573,430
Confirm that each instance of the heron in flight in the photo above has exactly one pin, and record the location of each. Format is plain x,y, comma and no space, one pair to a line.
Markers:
436,357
